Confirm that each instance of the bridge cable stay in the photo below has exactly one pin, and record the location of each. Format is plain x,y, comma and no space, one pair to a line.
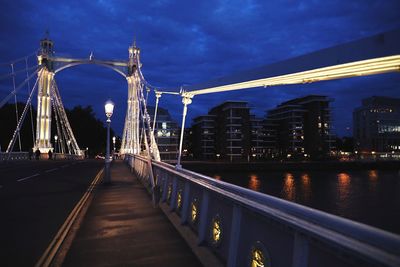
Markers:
153,144
62,135
65,138
16,106
30,104
158,96
33,54
145,141
14,91
21,119
153,149
72,144
6,76
142,131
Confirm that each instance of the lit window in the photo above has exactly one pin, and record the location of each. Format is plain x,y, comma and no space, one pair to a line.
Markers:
164,125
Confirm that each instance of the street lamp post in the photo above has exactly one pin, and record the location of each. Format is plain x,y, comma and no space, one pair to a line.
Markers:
69,146
55,141
109,108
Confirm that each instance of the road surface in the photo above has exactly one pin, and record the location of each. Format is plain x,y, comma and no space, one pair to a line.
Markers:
35,199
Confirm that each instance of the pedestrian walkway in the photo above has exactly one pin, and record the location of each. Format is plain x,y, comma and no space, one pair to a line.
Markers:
122,228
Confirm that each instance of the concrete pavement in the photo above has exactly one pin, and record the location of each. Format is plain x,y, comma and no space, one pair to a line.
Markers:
121,228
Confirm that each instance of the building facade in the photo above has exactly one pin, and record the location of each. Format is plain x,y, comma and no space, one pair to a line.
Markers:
299,128
203,137
233,139
376,125
226,133
166,133
257,137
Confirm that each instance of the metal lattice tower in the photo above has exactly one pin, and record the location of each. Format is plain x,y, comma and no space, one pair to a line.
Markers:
48,95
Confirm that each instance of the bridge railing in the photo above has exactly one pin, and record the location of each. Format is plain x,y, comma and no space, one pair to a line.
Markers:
242,227
25,156
14,156
60,156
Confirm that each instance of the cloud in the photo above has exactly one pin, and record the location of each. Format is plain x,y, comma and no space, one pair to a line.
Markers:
188,42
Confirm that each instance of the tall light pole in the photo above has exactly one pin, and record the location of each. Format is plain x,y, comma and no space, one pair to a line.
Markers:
109,108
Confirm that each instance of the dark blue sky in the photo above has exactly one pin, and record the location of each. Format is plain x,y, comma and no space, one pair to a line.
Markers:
188,42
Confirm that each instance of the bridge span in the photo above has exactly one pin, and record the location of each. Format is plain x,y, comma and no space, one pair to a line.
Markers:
153,214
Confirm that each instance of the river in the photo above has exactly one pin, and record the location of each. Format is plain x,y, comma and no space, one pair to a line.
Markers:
371,197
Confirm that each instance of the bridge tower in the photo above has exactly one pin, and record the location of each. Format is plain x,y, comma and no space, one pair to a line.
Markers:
130,137
46,78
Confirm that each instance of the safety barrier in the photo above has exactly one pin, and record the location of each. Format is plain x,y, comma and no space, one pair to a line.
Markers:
25,156
14,156
246,228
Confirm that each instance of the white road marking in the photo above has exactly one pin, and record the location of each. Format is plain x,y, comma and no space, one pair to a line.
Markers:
51,170
26,178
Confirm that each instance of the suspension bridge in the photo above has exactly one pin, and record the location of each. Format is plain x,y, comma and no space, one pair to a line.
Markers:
222,224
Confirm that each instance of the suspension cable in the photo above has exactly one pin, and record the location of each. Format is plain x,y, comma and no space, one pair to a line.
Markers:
64,138
64,118
19,124
141,132
146,143
5,76
5,100
30,104
61,135
18,59
153,144
16,106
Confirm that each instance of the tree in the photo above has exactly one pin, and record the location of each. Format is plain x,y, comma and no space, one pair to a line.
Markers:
8,125
89,131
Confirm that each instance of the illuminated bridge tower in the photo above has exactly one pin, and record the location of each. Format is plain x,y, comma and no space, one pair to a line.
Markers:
49,99
46,77
130,136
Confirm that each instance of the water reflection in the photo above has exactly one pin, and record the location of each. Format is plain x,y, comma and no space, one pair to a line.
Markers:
343,191
254,183
373,175
289,188
306,186
373,179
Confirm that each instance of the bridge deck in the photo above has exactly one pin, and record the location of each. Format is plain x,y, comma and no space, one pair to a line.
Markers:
121,228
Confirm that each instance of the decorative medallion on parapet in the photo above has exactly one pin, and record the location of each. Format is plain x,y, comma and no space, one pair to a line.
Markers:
216,231
194,211
259,256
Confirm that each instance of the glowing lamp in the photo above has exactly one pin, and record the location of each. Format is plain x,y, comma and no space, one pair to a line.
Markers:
109,108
